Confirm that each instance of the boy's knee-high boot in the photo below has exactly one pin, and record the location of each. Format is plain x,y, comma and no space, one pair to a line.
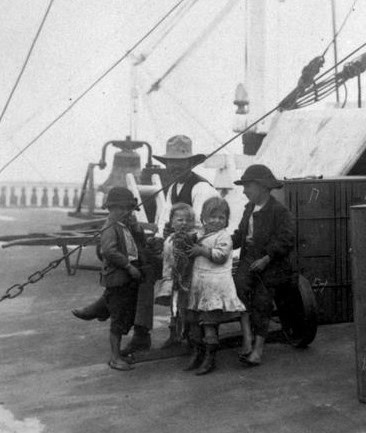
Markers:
209,360
173,338
96,310
196,358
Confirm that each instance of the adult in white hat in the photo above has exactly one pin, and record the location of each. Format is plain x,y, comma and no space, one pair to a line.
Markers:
189,188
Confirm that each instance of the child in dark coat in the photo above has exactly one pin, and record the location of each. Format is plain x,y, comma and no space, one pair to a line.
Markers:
121,242
266,237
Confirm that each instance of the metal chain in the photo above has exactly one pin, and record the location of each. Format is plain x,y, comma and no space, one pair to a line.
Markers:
16,289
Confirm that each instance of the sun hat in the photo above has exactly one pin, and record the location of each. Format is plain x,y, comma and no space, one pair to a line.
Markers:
119,195
180,147
261,174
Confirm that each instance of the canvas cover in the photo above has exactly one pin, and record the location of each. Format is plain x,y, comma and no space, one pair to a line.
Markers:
303,143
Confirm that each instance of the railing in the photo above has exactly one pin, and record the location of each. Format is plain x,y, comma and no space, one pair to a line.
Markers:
67,195
37,194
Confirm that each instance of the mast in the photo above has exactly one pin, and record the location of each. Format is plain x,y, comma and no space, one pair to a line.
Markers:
256,56
133,100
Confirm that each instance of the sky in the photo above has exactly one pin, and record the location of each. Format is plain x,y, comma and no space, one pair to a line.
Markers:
81,39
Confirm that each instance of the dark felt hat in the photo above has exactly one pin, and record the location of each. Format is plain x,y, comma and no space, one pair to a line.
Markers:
261,174
180,147
120,196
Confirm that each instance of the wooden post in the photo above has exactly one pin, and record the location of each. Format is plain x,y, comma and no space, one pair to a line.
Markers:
91,196
132,186
358,242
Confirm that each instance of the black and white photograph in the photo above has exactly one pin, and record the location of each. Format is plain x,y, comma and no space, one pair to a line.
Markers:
183,216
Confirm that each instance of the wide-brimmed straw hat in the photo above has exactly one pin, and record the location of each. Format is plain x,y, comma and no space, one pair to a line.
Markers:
179,147
120,196
261,174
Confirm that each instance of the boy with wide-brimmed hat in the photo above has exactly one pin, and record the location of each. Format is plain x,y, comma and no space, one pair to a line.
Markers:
122,240
266,236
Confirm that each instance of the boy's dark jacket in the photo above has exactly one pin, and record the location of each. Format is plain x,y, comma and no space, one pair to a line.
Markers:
273,232
114,252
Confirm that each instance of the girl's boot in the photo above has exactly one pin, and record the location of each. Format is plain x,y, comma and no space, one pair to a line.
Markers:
209,361
196,358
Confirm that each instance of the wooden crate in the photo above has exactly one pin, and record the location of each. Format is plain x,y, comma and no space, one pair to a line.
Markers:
321,208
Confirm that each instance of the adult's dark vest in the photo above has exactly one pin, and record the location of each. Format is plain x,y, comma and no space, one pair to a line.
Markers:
185,194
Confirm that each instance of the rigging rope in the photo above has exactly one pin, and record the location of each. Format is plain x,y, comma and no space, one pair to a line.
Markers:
308,86
340,28
184,109
97,81
209,29
341,61
16,289
321,90
191,116
25,63
175,20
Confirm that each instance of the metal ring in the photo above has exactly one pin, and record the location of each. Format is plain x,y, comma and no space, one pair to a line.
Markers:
54,263
18,290
34,278
4,297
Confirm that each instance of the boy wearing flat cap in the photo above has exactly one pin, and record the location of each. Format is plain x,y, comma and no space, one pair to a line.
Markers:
266,236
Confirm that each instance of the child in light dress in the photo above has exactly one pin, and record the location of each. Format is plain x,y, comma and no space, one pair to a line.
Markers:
172,289
212,291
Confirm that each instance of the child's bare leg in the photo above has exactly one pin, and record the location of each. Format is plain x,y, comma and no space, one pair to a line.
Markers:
256,356
115,340
116,361
246,331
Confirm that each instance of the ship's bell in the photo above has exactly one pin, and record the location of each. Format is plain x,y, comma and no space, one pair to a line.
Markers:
125,161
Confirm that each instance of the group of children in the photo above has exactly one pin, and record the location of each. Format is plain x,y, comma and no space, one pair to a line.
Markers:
197,274
197,279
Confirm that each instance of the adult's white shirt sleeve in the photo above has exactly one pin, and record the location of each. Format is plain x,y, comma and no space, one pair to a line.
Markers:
164,216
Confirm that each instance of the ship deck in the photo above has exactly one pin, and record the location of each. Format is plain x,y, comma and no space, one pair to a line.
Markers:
55,378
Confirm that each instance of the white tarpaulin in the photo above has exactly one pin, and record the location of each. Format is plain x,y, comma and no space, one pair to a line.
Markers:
304,143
